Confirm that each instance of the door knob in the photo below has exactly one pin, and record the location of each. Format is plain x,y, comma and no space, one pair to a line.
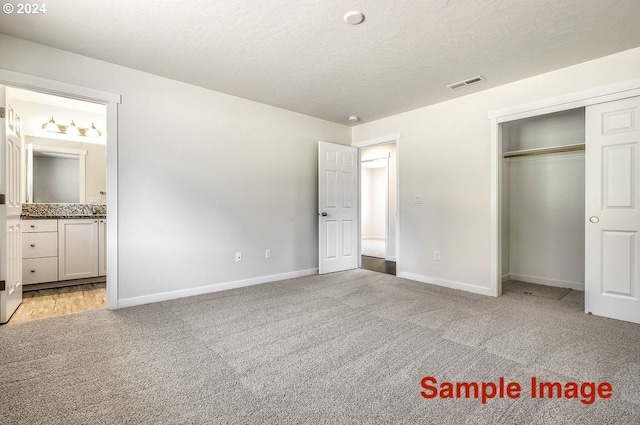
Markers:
594,219
324,214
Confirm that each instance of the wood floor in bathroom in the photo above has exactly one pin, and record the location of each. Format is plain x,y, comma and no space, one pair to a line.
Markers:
45,303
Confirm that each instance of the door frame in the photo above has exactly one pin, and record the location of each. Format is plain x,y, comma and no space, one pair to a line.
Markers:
110,101
384,140
574,100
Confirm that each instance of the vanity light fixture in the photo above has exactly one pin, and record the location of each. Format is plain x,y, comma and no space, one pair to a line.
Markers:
71,129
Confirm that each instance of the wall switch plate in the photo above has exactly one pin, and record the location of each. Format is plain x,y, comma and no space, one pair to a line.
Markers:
267,253
417,199
436,255
238,257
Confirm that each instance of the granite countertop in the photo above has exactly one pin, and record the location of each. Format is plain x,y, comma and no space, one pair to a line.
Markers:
52,217
62,211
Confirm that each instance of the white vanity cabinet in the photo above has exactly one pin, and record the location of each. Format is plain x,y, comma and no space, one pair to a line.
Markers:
63,249
39,251
78,250
102,247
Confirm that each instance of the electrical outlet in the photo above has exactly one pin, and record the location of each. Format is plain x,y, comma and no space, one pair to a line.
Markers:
436,255
417,199
267,253
238,257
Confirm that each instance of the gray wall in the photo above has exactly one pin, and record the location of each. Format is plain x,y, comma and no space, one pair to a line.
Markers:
547,196
445,156
202,175
372,202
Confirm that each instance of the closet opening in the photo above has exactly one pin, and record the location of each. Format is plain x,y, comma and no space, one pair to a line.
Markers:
543,204
378,177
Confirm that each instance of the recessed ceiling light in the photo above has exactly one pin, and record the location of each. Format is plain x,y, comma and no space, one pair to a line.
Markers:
354,17
354,118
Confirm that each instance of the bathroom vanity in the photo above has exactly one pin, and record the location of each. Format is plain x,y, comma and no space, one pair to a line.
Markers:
63,244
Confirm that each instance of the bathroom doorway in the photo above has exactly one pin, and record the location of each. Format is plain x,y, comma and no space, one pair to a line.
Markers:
107,257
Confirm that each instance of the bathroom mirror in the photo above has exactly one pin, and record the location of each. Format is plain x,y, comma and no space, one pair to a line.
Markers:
64,171
55,175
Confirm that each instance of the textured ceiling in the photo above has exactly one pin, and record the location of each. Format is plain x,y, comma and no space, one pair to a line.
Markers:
301,56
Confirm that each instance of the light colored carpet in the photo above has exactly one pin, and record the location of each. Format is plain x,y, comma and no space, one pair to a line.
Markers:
373,248
348,347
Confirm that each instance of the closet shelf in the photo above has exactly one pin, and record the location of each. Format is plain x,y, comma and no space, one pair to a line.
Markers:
544,151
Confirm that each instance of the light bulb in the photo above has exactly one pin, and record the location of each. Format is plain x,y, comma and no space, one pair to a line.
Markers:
72,129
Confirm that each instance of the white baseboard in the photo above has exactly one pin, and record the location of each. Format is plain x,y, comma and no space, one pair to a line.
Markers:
447,283
506,277
182,293
391,258
549,282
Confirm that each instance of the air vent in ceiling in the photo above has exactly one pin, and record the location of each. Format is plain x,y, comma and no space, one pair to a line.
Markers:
465,83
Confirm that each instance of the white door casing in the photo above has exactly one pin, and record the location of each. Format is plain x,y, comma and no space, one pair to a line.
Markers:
612,239
378,141
338,207
10,231
111,101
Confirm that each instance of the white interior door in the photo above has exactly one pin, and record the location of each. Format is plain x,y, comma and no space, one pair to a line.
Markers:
338,207
10,209
612,271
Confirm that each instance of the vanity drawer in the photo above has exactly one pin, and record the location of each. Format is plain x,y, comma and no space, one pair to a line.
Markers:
36,245
31,226
38,270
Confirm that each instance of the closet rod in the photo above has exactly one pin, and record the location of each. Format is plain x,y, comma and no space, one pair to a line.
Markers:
544,151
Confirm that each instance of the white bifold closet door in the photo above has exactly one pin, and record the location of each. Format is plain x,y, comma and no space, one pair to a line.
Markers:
612,240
